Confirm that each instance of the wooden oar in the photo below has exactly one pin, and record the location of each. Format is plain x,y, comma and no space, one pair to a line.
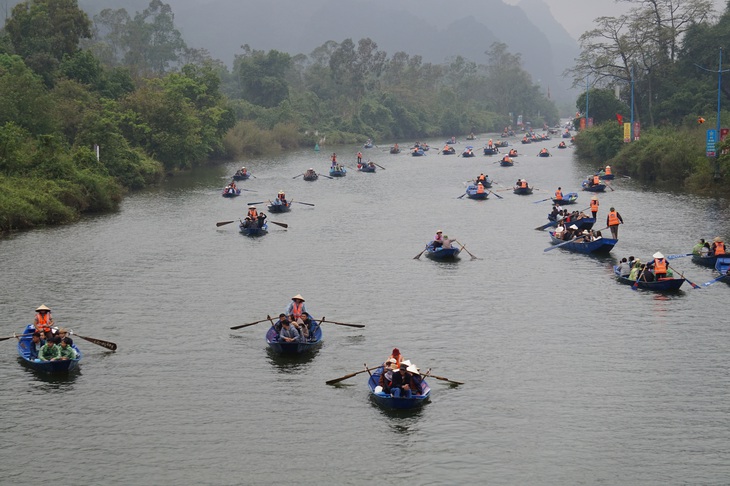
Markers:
299,202
222,223
249,190
251,323
461,196
328,177
255,203
609,186
283,225
441,378
342,323
20,336
300,175
464,248
419,255
679,255
542,200
565,243
337,380
379,165
694,285
105,344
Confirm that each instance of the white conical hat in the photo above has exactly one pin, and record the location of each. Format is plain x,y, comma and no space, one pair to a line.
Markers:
658,255
299,297
42,307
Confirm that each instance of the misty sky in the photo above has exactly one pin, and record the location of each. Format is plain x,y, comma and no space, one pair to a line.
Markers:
577,16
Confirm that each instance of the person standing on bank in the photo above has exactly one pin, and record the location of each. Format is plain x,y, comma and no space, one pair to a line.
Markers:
612,221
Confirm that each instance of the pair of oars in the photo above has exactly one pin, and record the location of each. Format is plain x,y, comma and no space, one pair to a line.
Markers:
300,175
425,375
268,318
222,223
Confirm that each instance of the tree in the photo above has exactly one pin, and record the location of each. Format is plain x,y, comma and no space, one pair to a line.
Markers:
262,76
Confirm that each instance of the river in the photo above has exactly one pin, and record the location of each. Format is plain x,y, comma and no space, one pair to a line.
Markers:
570,377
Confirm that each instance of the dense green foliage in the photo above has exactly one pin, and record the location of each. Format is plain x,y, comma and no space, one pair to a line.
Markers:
669,52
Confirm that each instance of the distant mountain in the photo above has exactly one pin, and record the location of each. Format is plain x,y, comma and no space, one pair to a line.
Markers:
431,28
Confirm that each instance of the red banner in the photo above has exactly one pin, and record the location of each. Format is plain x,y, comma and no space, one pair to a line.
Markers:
620,120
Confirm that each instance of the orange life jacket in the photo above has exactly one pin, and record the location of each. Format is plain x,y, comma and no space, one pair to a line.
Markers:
253,214
558,194
523,184
594,205
608,170
481,179
44,322
719,248
596,180
480,189
613,218
296,310
660,265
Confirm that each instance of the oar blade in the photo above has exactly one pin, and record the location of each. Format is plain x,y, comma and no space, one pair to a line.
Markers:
283,225
255,203
99,342
222,223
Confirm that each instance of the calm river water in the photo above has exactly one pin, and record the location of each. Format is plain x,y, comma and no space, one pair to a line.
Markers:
570,377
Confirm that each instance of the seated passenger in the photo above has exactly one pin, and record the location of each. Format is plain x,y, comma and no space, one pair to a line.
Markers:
402,382
446,243
66,351
278,324
261,219
288,333
302,329
50,351
386,377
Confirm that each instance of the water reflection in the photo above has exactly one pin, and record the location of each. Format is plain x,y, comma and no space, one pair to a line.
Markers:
291,362
51,381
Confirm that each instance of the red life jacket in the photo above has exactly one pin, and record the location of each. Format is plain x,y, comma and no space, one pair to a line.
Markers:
296,310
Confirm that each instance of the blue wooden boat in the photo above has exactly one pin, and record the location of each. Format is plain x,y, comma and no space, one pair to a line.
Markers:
491,150
335,172
425,147
568,198
663,285
606,177
566,134
277,206
394,150
417,152
722,265
313,176
601,245
487,182
526,141
506,163
299,347
468,152
543,154
708,261
522,191
231,192
587,186
386,401
366,167
367,145
501,143
471,192
441,254
448,151
562,145
53,367
253,230
240,176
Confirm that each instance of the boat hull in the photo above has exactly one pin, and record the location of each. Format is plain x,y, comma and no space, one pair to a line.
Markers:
490,151
386,401
442,254
569,198
293,348
338,173
241,177
313,177
253,231
664,285
279,208
602,245
50,367
583,223
366,168
708,261
522,191
593,188
235,193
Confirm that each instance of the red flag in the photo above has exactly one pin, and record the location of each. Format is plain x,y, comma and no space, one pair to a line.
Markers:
620,120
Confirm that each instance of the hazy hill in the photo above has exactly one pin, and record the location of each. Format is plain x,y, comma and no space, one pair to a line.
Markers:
431,28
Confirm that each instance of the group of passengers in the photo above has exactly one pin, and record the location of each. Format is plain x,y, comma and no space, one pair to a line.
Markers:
441,241
658,268
295,325
48,342
254,219
230,188
567,233
560,214
335,165
399,377
704,248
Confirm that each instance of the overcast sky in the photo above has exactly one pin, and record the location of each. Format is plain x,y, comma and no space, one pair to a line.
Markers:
577,16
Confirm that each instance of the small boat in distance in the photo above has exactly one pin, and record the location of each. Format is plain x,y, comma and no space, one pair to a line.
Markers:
338,171
387,401
295,347
59,366
253,229
661,285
